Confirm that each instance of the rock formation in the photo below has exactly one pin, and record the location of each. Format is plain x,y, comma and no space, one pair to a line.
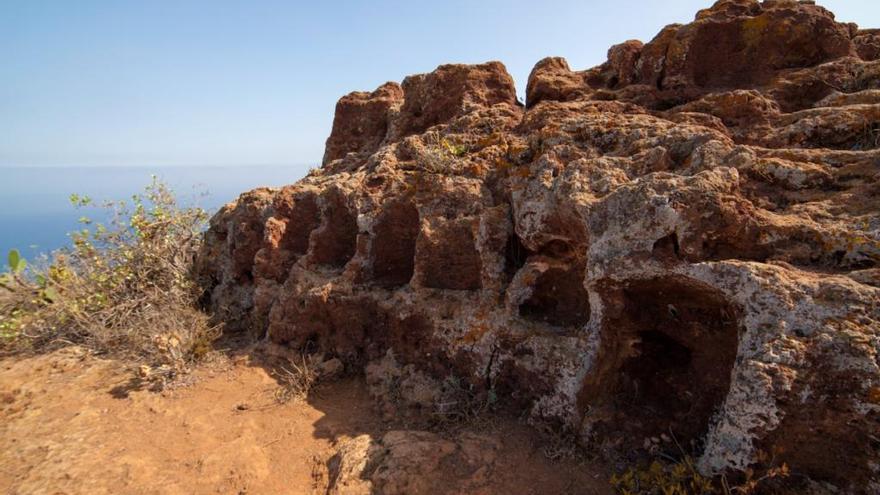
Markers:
407,462
685,238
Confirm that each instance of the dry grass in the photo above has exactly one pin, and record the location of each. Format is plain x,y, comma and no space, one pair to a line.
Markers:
869,137
123,288
561,445
461,403
440,155
295,379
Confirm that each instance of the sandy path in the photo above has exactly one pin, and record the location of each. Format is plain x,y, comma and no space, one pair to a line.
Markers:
69,426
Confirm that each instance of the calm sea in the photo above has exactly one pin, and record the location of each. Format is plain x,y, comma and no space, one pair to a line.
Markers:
36,214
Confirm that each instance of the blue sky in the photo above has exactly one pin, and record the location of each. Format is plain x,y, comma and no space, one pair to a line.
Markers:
123,83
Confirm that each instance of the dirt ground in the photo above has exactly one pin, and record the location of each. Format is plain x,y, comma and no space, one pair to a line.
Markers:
71,424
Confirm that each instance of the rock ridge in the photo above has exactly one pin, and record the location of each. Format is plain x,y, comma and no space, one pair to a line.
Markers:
685,238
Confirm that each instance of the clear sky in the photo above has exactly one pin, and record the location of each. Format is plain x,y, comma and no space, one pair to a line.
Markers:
217,82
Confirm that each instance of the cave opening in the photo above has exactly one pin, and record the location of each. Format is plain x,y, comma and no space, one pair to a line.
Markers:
667,248
393,248
291,229
558,297
665,362
334,243
304,218
449,258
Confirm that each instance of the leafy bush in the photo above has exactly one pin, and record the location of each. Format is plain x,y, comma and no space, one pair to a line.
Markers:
124,288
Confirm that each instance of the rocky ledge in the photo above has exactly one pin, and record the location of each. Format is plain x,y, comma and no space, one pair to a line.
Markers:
684,239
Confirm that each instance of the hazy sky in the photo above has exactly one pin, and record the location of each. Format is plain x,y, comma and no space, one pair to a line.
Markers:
218,82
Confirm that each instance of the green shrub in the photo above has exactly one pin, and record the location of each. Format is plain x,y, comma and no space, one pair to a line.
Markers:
122,288
663,478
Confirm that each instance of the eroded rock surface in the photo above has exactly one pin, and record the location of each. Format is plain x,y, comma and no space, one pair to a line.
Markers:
685,238
403,462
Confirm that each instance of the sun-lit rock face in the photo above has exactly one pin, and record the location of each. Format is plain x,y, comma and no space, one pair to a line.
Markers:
685,238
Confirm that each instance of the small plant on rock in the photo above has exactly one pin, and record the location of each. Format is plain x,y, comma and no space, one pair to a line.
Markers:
664,478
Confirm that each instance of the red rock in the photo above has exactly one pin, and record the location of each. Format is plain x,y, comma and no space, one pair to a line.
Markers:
361,121
623,59
551,79
867,44
692,225
451,91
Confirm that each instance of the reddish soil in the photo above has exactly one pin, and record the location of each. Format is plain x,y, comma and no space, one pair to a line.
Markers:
71,424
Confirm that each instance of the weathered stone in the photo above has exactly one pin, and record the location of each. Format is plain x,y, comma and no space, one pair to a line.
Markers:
867,44
684,238
623,59
405,462
362,120
551,79
330,369
451,91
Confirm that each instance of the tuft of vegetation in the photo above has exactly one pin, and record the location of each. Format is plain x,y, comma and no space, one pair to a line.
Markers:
869,137
440,155
295,380
123,288
461,402
669,476
455,149
664,478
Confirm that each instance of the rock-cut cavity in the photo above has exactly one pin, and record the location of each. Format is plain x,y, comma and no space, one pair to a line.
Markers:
558,297
448,258
334,243
393,248
667,352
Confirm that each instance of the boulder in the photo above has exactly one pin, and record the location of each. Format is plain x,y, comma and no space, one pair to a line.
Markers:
361,121
402,462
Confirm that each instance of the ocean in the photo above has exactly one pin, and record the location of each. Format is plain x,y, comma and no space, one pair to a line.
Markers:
36,215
